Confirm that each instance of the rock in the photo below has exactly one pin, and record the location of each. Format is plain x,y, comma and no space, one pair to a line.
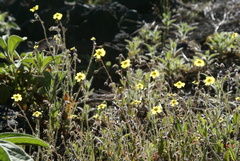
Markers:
142,6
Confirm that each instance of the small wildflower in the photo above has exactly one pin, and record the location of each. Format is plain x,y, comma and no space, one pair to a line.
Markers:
154,74
96,116
17,97
135,102
99,53
73,116
57,16
220,120
179,84
35,8
209,80
234,35
93,39
174,102
102,106
171,94
199,63
156,109
139,86
80,76
72,48
195,82
237,98
196,139
126,63
37,114
35,46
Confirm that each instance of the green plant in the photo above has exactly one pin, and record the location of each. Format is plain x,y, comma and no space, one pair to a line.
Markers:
154,112
7,24
223,43
9,150
183,30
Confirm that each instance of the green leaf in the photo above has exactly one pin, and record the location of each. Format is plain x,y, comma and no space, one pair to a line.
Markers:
23,139
226,156
46,61
12,134
12,152
2,56
30,60
13,42
3,16
3,44
26,141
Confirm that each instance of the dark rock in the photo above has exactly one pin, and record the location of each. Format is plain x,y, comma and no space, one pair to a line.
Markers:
7,119
142,6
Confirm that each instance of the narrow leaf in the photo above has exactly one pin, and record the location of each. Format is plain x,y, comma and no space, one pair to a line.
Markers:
3,44
26,141
12,134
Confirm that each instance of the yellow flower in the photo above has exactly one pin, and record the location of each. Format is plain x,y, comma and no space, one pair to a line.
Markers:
139,86
234,35
220,120
135,102
199,63
126,63
93,39
209,80
73,116
35,46
99,53
102,106
17,97
35,8
154,74
96,116
237,98
57,16
195,82
172,94
156,109
179,84
174,102
37,114
72,48
196,139
80,76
